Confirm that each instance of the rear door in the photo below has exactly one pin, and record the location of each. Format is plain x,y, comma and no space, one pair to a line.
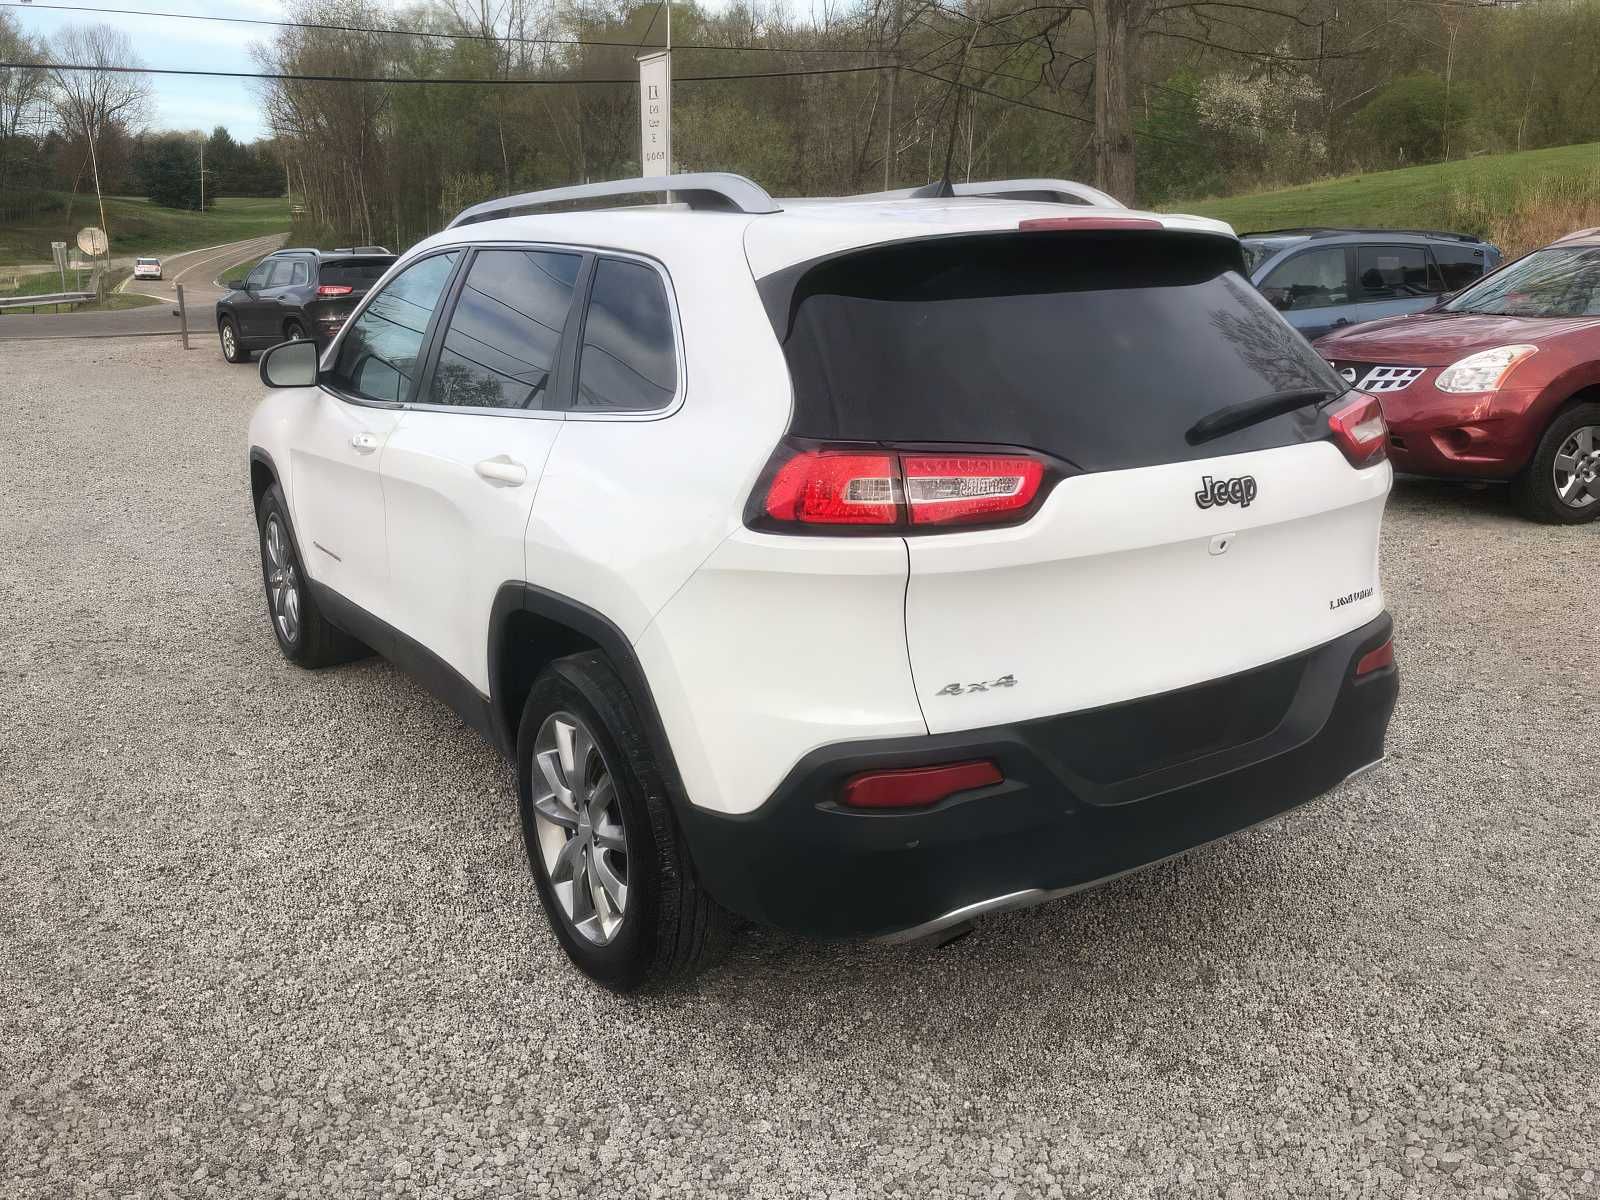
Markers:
1393,280
461,470
1153,563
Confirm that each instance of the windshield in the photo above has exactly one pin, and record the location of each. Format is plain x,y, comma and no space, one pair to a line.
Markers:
1557,282
1102,350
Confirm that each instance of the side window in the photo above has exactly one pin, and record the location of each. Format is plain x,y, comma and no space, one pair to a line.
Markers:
1311,279
1459,265
300,274
628,361
282,271
378,356
505,332
257,279
1394,272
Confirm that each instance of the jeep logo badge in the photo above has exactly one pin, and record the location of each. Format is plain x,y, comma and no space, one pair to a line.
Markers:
1240,490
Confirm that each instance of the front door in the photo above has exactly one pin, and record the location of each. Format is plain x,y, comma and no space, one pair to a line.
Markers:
247,308
461,470
1311,288
345,427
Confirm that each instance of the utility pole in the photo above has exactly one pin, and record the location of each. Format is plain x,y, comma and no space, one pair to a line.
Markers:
94,162
894,76
202,174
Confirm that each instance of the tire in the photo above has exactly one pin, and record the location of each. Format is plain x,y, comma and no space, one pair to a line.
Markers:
666,928
304,635
1561,484
232,349
294,331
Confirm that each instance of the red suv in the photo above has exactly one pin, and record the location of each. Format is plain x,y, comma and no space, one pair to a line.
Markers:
1499,382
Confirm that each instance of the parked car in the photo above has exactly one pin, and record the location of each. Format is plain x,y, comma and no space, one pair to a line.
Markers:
298,293
1501,382
1324,279
859,567
147,268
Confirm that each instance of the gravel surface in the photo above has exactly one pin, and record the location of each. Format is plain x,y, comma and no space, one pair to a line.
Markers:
270,933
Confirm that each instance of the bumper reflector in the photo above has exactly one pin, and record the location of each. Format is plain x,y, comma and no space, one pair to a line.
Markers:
914,787
1376,660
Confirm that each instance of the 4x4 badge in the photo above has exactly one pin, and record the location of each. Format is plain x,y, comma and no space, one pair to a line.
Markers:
1240,490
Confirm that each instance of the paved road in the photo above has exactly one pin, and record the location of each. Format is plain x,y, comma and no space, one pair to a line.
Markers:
267,932
195,269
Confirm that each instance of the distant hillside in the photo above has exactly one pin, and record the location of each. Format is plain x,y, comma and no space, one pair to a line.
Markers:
140,227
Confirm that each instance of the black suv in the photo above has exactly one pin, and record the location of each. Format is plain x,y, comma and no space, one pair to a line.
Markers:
299,293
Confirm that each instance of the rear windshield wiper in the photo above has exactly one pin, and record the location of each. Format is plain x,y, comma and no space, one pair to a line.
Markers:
1252,412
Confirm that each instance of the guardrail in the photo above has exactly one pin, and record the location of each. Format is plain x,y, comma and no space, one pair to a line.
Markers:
46,299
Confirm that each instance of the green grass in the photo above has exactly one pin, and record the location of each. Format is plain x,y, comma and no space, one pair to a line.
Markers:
46,283
1453,195
139,227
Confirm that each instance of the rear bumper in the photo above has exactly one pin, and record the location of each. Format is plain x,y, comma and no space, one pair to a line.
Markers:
1086,796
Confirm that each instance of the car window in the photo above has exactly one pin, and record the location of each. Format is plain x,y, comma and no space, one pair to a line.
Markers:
1311,279
1459,265
360,273
629,362
505,332
1395,272
257,278
280,274
378,356
300,274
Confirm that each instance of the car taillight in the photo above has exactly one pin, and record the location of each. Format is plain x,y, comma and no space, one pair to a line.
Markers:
334,289
1360,431
1376,660
917,787
848,487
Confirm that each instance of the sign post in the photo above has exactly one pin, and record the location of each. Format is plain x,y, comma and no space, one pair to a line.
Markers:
655,114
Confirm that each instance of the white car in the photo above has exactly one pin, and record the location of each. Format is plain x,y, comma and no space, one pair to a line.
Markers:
856,566
147,268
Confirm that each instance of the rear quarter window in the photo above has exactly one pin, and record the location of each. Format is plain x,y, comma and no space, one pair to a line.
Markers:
1100,349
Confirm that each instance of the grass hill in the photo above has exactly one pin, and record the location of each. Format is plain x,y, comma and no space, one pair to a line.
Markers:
140,227
1520,201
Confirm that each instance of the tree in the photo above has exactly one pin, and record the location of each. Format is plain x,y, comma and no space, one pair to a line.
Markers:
167,169
1407,121
23,98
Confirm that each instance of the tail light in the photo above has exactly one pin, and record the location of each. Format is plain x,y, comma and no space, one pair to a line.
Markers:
334,289
1360,431
875,488
917,787
1376,660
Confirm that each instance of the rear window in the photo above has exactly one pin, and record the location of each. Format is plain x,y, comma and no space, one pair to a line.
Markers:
1102,350
359,274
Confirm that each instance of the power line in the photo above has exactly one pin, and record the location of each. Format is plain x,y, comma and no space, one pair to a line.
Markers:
422,33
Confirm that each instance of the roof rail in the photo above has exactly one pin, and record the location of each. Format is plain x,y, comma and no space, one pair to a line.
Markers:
1337,230
1046,191
708,189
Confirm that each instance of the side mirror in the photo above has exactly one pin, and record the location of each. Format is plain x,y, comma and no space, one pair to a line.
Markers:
290,364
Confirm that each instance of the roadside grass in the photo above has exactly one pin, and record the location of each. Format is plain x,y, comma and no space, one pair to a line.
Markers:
47,282
1515,200
139,227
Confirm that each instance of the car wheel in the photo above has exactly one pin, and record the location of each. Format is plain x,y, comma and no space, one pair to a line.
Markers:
607,859
304,635
294,331
1561,485
231,349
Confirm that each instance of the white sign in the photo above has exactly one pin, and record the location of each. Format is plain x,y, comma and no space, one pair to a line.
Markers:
655,114
92,241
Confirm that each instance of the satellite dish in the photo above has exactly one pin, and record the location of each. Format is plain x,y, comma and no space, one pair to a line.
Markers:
92,241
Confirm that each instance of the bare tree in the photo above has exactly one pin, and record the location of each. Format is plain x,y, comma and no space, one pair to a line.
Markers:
23,92
87,101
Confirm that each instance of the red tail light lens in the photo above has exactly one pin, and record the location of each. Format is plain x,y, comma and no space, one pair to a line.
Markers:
962,489
829,487
849,487
1376,660
916,787
334,289
1360,431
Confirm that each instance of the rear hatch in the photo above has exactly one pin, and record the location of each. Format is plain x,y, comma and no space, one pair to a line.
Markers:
1153,562
341,282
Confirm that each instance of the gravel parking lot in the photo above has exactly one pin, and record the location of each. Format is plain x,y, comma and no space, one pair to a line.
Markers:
268,933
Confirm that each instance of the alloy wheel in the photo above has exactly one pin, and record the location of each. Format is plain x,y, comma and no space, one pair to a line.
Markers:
578,817
227,341
283,581
1577,468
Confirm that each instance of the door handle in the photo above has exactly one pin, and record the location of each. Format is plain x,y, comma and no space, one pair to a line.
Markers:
502,471
366,443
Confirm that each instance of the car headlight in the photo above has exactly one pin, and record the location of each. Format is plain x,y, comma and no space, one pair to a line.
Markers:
1483,371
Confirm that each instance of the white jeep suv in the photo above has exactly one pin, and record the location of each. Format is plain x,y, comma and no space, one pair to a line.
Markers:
856,566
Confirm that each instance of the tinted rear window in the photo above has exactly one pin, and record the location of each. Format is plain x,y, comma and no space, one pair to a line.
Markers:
1100,349
360,274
